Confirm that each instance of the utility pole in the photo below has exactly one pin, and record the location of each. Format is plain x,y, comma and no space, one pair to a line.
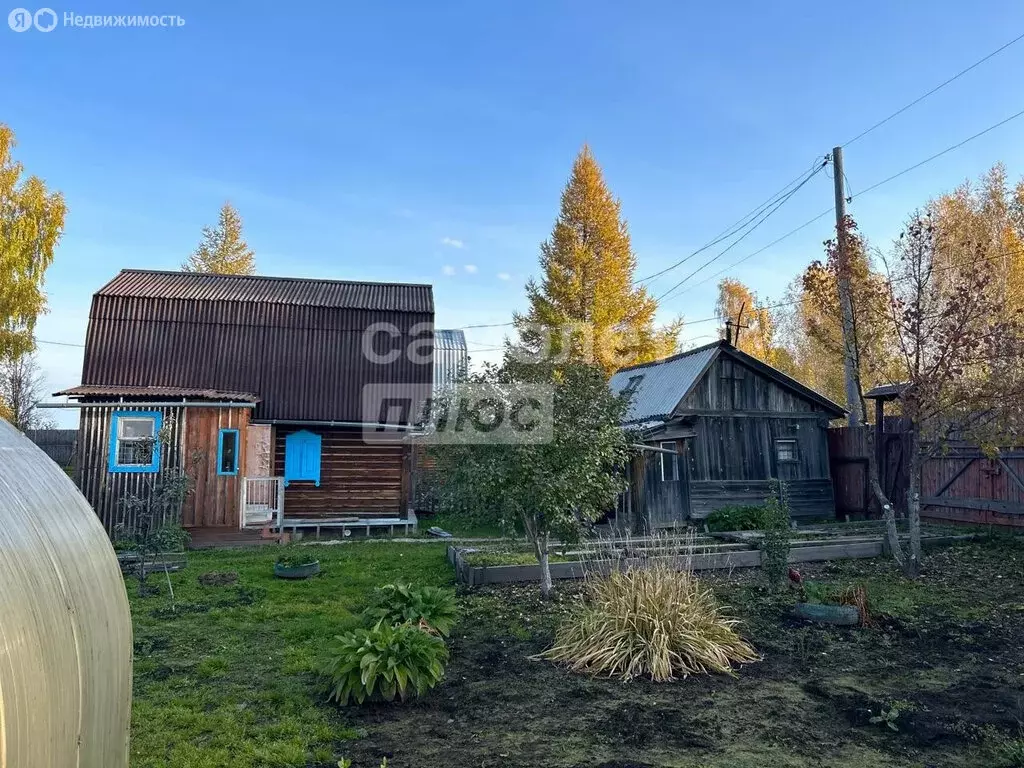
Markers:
851,373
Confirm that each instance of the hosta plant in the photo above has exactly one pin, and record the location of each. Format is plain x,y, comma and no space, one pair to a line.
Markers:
430,608
383,663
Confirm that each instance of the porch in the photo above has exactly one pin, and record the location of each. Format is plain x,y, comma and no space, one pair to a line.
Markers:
262,506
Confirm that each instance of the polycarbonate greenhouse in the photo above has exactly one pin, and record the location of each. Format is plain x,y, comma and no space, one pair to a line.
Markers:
65,625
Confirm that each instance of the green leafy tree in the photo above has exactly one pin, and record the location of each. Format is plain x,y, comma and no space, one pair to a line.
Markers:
554,488
586,307
31,225
223,250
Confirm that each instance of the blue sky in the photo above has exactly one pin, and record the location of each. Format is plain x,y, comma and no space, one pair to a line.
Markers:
388,141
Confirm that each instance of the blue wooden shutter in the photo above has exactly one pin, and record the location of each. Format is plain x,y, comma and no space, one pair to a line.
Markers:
302,457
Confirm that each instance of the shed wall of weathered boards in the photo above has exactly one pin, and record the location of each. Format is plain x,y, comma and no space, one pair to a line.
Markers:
190,437
65,623
356,477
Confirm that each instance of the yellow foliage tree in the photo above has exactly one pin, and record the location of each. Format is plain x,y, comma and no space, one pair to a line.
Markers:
738,304
585,307
223,250
985,219
31,225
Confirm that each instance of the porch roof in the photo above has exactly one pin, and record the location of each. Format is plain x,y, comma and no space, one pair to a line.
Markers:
117,390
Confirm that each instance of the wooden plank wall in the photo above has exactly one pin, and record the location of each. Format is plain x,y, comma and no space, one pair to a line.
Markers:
104,490
215,498
988,492
356,478
807,498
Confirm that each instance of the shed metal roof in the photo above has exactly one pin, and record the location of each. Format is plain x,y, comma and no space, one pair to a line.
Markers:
659,386
107,390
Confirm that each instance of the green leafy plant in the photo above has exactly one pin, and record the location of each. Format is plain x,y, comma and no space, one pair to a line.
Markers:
431,608
890,716
346,763
775,544
654,620
749,518
294,557
383,663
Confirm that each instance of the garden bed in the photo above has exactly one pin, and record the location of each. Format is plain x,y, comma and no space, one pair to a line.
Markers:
479,565
223,677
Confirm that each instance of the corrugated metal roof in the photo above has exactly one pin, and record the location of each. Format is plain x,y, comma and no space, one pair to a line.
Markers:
306,348
659,386
336,294
100,390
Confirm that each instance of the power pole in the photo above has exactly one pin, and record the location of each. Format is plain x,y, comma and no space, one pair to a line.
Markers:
850,369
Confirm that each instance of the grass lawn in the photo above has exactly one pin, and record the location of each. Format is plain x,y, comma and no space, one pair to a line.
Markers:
224,680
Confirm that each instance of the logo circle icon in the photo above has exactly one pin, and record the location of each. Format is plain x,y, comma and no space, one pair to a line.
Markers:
20,19
45,19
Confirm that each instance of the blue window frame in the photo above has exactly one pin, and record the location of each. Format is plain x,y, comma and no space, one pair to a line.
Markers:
134,441
302,457
227,452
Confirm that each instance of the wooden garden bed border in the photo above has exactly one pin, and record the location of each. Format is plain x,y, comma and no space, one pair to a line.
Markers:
477,575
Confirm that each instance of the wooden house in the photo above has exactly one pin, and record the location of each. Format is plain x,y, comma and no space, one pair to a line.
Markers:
719,425
260,389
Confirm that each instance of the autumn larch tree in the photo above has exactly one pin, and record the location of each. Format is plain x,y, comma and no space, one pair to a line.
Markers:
223,250
586,307
31,224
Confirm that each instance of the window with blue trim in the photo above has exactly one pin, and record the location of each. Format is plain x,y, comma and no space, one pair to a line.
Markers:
134,441
227,452
302,457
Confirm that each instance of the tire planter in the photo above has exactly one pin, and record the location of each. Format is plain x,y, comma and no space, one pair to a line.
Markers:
297,571
842,615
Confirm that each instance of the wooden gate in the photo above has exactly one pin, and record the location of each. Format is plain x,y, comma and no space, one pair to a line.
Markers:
966,486
963,485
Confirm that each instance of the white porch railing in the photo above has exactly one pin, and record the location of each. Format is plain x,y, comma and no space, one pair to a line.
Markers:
262,501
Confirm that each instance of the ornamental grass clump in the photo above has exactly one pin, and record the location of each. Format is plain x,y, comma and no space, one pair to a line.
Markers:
651,620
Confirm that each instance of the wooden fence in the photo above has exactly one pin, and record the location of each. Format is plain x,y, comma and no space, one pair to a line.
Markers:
962,485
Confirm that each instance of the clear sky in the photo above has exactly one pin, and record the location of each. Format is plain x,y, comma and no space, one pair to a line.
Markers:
429,141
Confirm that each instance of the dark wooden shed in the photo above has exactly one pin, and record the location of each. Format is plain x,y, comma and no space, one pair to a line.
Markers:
721,425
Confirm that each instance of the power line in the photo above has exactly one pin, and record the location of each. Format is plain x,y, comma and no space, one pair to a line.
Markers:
744,235
739,225
865,191
937,155
58,343
937,88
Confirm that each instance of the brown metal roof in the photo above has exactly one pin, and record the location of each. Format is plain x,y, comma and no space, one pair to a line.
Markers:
297,345
337,294
113,390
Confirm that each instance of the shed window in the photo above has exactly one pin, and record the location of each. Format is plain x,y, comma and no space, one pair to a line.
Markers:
134,446
227,452
669,463
302,457
785,450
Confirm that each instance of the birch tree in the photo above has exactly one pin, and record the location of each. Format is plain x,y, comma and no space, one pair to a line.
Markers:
31,225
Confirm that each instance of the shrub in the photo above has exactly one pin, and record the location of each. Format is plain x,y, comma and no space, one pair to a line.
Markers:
382,663
736,519
431,608
651,620
775,544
